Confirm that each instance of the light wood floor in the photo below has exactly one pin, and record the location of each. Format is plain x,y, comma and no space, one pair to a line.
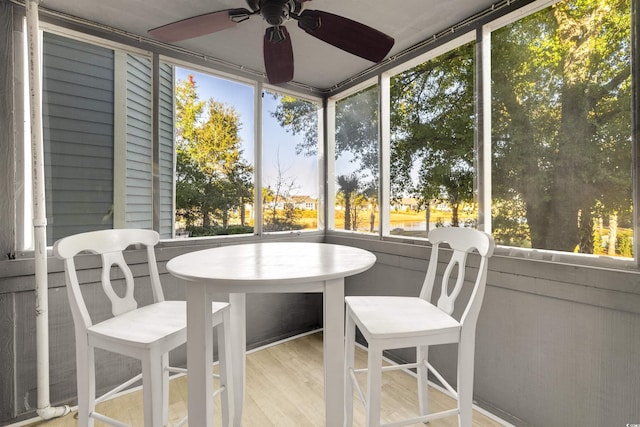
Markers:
285,388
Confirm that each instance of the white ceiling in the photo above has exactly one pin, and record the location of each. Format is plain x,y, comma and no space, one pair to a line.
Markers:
317,64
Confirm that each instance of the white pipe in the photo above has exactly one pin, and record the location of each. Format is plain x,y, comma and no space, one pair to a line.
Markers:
44,408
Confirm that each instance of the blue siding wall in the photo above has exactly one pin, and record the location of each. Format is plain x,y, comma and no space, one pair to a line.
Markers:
139,196
166,160
78,135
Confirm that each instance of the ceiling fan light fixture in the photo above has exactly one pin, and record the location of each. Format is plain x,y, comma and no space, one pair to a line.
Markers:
275,12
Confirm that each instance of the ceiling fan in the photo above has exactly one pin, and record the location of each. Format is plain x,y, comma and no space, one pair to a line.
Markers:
343,33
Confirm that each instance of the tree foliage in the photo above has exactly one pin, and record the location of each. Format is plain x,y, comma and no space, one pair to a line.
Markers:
348,188
561,118
212,178
356,133
300,117
433,125
561,126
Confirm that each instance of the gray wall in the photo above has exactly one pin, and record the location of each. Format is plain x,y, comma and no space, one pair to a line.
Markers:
270,317
7,155
556,344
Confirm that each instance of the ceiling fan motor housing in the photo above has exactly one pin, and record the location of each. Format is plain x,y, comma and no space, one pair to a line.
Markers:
276,12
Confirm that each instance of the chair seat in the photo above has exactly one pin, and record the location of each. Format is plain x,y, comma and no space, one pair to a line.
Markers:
145,326
381,317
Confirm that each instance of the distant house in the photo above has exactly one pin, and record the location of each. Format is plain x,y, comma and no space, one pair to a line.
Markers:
405,204
305,203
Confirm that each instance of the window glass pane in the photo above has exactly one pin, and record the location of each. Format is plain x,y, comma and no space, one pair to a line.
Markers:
214,150
356,167
78,136
290,163
432,145
561,129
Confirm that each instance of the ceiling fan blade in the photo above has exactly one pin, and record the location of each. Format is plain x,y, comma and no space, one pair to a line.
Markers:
278,55
199,25
346,34
253,4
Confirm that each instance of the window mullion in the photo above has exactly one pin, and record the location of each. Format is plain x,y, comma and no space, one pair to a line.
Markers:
384,184
483,137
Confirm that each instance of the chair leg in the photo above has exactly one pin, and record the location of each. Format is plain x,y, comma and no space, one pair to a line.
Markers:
86,372
152,372
349,364
465,382
374,385
165,388
226,374
422,357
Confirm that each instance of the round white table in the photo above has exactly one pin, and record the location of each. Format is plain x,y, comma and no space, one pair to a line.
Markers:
263,267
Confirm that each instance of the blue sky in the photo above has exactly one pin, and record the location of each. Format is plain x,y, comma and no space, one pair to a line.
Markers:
279,145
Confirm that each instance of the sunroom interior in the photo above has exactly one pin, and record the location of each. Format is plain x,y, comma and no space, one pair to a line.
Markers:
516,117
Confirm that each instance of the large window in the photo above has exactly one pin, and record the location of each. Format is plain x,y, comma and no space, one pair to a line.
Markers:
107,167
214,155
356,162
289,163
547,165
561,129
432,144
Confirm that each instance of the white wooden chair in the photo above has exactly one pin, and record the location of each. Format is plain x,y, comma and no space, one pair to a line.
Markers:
146,333
389,322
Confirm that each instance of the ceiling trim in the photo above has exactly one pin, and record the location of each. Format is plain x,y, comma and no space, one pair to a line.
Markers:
62,19
497,10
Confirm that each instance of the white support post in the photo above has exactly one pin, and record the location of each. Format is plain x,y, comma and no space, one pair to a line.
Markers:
44,409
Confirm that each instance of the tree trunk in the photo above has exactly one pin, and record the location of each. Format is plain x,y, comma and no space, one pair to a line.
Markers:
455,217
205,217
427,214
523,158
354,218
225,219
586,231
569,187
347,211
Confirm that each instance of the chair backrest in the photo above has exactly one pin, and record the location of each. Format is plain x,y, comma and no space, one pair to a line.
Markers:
462,241
109,244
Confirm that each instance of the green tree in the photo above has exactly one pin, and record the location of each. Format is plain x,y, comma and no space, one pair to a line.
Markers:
561,136
348,187
299,117
356,126
356,133
561,118
212,179
433,124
